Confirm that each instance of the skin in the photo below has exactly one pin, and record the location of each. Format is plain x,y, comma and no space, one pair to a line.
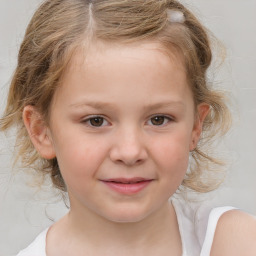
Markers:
127,87
235,235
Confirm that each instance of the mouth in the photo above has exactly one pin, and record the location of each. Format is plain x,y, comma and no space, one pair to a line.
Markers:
127,186
127,180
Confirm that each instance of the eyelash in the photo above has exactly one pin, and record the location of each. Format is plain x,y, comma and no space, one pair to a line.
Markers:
88,120
167,119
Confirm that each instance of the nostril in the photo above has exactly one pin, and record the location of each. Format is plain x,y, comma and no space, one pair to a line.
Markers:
130,162
131,152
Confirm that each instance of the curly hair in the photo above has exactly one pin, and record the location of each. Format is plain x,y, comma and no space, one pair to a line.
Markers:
60,27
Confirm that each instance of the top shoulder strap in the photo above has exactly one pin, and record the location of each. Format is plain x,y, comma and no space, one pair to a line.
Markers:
214,217
37,248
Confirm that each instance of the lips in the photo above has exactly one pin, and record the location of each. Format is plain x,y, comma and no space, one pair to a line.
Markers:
127,180
127,186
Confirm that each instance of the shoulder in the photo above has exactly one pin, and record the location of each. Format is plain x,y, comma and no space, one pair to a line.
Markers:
235,235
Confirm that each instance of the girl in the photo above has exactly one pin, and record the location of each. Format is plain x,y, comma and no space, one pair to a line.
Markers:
111,100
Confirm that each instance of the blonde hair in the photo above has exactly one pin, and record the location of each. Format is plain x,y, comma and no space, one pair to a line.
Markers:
59,27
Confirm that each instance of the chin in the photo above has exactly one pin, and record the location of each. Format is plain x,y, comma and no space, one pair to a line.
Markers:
128,219
127,216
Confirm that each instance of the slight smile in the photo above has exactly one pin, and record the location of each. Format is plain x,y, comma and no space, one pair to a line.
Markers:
127,186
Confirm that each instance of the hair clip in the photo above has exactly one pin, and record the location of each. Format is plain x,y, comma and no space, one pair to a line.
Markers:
175,16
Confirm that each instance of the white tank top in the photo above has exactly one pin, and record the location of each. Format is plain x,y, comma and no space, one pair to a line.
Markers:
197,225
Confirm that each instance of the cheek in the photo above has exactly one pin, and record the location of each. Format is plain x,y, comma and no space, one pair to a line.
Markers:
174,160
79,157
172,153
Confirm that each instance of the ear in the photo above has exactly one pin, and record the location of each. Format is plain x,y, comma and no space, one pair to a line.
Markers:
38,132
202,112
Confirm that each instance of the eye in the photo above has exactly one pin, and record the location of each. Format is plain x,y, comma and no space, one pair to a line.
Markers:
159,120
96,121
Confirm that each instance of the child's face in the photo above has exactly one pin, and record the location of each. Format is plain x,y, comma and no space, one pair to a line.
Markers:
123,115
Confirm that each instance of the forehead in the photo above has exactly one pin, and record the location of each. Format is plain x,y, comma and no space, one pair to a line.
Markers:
140,70
98,53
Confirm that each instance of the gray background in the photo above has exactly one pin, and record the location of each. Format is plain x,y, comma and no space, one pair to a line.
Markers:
25,211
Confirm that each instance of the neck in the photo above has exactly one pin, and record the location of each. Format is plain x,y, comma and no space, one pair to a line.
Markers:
83,231
157,230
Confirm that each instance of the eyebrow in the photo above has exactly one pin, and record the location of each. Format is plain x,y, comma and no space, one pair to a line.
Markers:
164,104
109,105
93,104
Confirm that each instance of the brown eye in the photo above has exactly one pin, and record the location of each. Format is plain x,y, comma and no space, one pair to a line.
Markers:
96,121
159,120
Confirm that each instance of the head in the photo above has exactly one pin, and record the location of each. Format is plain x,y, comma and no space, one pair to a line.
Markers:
61,30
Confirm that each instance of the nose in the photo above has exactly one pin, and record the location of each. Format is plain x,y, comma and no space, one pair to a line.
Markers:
128,148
